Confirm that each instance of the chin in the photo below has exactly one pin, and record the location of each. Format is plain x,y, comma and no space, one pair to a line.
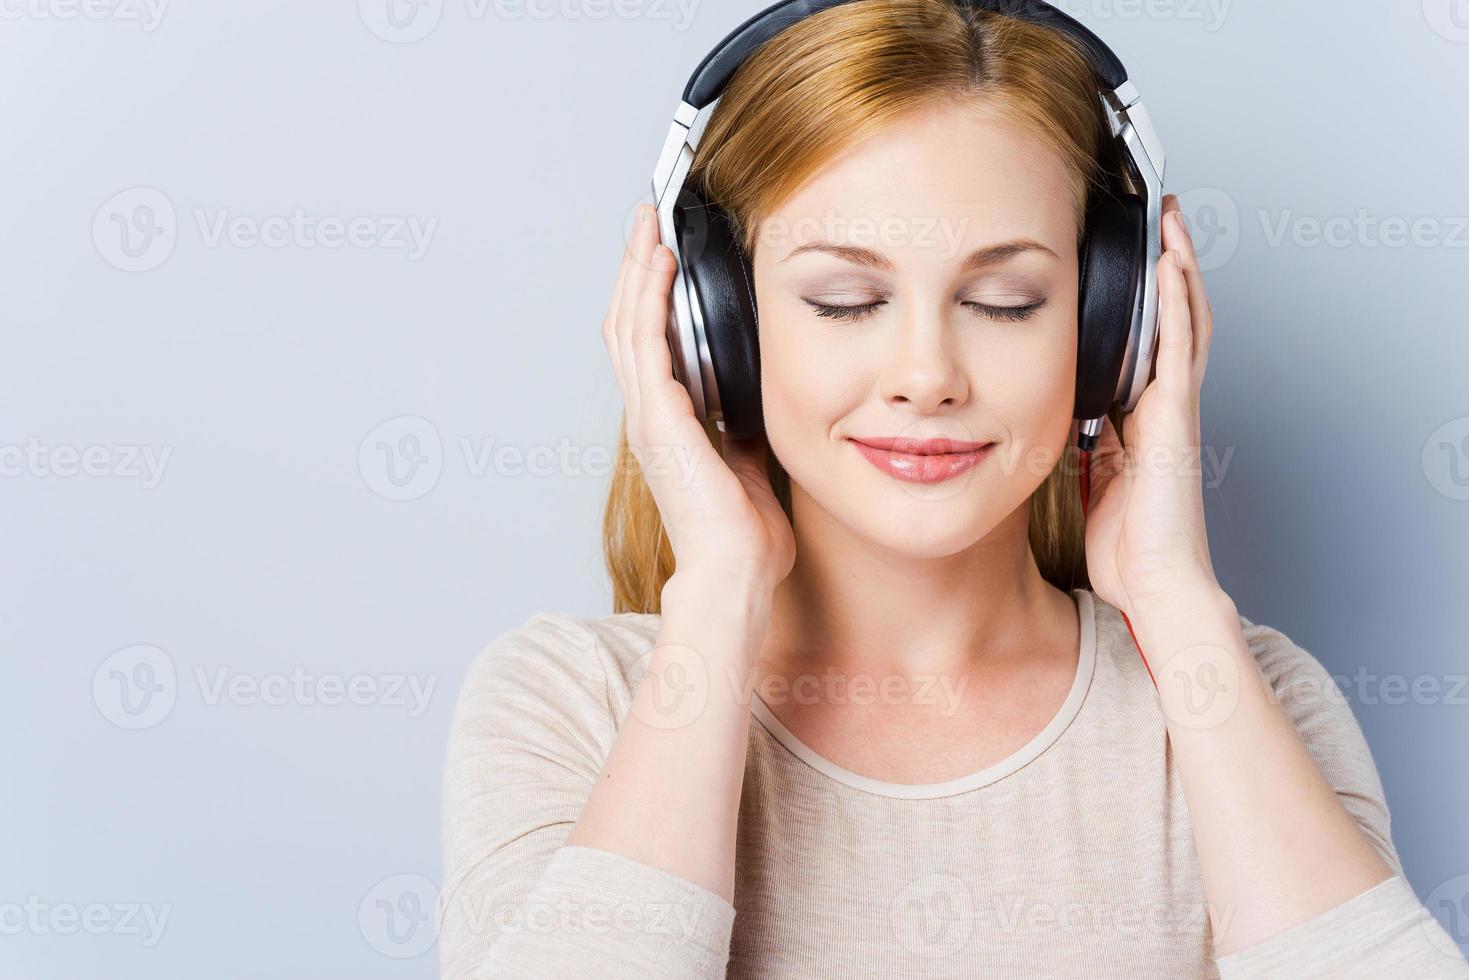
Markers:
923,529
909,519
937,543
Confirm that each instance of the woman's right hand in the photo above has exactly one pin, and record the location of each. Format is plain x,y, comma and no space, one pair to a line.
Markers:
721,514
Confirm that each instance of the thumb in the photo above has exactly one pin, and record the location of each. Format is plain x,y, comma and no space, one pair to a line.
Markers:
748,458
1107,458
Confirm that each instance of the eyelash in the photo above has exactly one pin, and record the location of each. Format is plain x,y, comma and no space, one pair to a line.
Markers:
862,312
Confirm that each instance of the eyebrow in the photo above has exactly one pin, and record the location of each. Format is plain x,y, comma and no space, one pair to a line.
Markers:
989,255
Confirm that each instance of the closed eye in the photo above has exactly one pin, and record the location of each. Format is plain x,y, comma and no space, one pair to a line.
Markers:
864,310
861,312
1006,312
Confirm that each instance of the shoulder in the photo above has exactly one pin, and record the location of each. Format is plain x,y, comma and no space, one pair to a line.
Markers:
1298,679
1293,672
563,659
1309,695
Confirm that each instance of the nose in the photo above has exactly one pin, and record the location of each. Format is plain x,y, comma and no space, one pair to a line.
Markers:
922,371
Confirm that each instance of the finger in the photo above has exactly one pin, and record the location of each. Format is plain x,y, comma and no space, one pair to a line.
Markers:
1170,204
609,320
1106,457
627,311
652,358
1175,332
1201,312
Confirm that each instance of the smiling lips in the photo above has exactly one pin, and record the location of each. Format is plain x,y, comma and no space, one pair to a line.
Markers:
922,460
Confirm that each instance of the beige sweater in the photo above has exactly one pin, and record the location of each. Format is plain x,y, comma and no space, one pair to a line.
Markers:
1071,858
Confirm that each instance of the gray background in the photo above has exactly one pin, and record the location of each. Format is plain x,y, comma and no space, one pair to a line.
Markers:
284,831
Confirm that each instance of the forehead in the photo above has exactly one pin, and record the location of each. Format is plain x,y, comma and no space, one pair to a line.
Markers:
961,164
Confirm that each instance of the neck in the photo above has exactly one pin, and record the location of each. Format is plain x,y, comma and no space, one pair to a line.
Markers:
854,605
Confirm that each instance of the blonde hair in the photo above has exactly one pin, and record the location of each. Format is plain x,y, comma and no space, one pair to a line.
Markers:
823,84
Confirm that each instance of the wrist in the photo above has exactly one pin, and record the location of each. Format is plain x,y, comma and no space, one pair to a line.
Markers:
723,594
1183,586
1190,616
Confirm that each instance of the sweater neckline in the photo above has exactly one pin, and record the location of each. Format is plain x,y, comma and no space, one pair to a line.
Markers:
1085,665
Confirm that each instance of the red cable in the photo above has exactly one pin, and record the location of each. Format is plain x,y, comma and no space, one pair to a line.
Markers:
1084,462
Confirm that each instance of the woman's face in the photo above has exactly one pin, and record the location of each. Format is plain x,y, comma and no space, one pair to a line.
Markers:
922,285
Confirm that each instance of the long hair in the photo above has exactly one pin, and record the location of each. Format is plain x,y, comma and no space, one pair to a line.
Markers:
824,84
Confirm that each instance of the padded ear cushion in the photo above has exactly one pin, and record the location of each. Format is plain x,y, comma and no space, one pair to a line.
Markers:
724,285
1111,273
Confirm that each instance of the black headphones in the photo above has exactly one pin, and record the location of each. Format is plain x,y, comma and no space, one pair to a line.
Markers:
713,331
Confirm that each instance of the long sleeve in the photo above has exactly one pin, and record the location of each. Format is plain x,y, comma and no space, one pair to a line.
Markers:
531,730
1385,931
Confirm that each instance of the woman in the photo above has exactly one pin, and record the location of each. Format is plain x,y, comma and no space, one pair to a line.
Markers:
959,763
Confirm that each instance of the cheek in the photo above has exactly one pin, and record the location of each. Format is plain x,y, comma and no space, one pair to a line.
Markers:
1029,385
809,377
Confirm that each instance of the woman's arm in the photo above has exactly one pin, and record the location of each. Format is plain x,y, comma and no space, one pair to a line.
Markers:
1282,859
1308,886
1275,847
643,883
640,885
669,794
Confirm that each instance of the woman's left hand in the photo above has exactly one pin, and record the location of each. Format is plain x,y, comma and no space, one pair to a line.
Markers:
1145,538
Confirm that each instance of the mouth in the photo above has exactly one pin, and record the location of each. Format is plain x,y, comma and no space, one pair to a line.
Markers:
922,460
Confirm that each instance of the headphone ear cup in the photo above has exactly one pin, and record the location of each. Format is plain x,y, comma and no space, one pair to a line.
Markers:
724,287
1111,257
